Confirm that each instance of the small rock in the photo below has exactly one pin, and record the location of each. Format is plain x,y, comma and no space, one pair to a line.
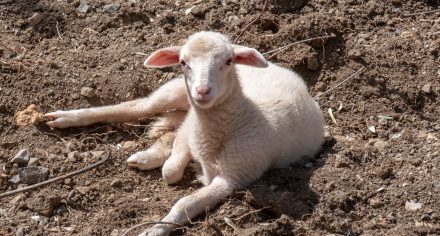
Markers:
386,172
40,219
33,174
354,54
341,161
375,202
29,116
115,232
88,92
19,232
129,145
83,8
313,62
412,206
116,183
380,145
22,157
111,8
17,199
15,179
83,190
427,88
72,156
44,204
416,161
68,181
34,162
35,19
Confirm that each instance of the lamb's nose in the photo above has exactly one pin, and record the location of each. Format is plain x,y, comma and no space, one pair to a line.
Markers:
203,90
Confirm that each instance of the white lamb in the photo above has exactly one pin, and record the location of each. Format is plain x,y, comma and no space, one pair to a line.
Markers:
245,116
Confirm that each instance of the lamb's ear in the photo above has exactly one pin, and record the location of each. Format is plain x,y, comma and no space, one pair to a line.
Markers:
163,57
248,56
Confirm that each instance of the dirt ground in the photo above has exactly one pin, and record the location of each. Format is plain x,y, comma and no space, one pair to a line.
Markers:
378,175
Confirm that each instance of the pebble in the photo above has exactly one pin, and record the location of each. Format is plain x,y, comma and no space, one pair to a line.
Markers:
83,8
412,206
72,156
341,162
386,172
68,181
15,179
116,183
88,92
34,162
33,174
17,199
111,8
19,232
22,157
416,161
35,19
129,145
313,63
40,219
354,54
375,202
427,88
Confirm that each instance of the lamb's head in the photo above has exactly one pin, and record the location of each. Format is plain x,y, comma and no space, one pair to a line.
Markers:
207,60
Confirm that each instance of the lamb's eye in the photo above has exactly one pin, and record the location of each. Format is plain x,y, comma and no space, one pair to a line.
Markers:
229,61
183,63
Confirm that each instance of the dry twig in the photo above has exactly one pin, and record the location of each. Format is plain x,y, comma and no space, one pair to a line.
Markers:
339,84
252,22
7,48
58,31
280,49
44,183
421,13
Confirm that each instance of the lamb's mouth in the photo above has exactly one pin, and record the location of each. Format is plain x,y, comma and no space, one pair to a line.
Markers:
202,101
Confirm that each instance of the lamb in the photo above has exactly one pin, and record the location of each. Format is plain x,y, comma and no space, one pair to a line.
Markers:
244,116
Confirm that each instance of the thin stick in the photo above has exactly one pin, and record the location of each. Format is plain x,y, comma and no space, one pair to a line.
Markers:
280,49
7,48
421,13
151,223
252,22
58,31
339,84
44,183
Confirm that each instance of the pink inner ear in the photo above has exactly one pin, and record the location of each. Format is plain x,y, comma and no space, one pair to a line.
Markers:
249,56
163,57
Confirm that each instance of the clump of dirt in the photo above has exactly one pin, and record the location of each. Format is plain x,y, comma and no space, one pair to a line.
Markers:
377,174
29,116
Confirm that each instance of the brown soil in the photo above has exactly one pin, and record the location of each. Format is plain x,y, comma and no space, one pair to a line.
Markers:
360,183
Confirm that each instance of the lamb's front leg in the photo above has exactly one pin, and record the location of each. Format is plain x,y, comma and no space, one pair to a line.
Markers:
190,206
171,96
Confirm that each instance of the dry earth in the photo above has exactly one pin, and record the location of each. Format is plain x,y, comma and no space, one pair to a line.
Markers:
385,182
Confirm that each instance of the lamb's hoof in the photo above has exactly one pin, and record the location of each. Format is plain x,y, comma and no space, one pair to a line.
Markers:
156,231
145,160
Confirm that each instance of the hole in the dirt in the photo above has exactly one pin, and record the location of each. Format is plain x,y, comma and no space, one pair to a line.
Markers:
270,25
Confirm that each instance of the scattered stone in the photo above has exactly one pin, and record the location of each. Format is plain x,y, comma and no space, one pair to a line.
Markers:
68,181
83,8
34,162
427,88
40,219
35,19
111,8
313,62
341,161
381,146
19,232
43,204
17,199
115,232
88,92
33,174
412,206
129,145
72,156
29,116
116,183
416,161
386,172
354,54
15,179
21,158
375,202
83,190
